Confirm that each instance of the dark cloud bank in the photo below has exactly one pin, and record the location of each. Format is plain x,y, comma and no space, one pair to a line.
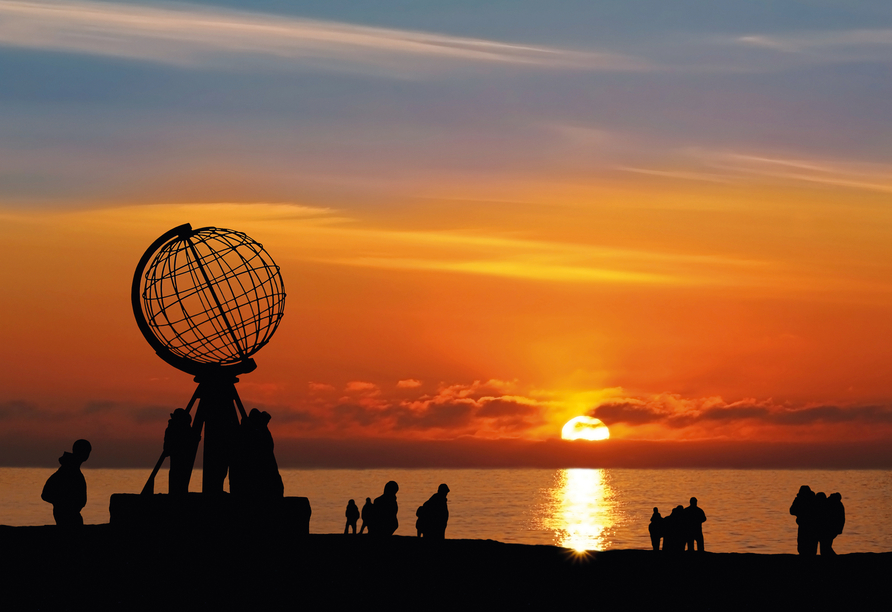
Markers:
634,412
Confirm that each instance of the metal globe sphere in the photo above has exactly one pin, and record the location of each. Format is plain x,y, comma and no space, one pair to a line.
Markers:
209,297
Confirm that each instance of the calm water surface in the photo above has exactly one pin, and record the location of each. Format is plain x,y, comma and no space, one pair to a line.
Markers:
747,510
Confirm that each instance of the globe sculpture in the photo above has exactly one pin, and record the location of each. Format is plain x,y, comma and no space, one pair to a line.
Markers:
207,300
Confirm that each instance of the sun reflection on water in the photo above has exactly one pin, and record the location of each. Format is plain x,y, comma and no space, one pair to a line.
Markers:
584,516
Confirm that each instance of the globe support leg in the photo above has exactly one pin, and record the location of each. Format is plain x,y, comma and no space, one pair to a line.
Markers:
218,402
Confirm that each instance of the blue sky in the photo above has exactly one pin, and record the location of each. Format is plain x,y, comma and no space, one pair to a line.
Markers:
106,101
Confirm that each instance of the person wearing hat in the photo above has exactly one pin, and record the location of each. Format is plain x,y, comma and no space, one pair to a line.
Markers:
66,489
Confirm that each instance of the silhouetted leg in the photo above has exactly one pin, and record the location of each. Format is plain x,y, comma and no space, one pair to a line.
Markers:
66,517
807,543
655,542
220,428
180,474
699,540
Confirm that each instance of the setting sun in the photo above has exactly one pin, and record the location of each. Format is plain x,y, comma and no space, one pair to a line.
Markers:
585,428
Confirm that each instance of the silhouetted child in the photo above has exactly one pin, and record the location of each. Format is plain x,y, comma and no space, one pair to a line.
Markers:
66,489
352,515
804,509
385,522
367,510
180,444
655,528
433,515
694,519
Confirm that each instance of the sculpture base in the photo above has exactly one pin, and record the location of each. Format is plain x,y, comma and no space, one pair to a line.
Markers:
197,510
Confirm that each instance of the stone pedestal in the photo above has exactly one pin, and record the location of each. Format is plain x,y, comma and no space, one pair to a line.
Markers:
202,510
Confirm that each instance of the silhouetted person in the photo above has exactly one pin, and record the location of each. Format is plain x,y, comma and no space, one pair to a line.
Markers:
180,444
834,520
256,473
433,515
655,528
674,530
367,510
66,489
352,514
822,522
384,521
694,519
804,509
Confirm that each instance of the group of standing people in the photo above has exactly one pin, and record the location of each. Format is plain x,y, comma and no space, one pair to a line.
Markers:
253,471
820,519
380,516
682,528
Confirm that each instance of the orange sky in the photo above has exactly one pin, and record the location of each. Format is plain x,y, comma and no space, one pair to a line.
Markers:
642,302
489,221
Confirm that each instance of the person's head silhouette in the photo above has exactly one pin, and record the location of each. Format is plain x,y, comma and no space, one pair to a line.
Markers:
694,502
81,450
181,416
443,489
391,488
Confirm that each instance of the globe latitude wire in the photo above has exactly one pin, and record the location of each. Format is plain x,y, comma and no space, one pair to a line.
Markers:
211,298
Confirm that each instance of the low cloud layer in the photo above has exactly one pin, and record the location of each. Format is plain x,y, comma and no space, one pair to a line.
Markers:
485,408
677,412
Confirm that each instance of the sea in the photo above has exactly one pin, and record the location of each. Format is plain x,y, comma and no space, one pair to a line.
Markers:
582,509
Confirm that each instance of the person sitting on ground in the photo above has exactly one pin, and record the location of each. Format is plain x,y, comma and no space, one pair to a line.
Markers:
66,489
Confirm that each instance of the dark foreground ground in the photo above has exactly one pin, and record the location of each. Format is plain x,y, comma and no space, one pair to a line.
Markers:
104,567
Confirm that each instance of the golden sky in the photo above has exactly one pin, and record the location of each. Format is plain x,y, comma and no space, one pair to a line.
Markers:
484,231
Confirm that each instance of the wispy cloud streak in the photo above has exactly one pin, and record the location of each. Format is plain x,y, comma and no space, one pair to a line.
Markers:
811,41
870,177
191,35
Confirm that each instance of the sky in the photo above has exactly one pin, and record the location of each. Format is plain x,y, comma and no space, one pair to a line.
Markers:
490,217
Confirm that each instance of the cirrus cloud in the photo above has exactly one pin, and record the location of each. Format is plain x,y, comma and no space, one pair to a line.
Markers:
197,35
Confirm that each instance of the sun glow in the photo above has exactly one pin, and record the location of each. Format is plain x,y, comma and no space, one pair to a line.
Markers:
585,428
585,516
